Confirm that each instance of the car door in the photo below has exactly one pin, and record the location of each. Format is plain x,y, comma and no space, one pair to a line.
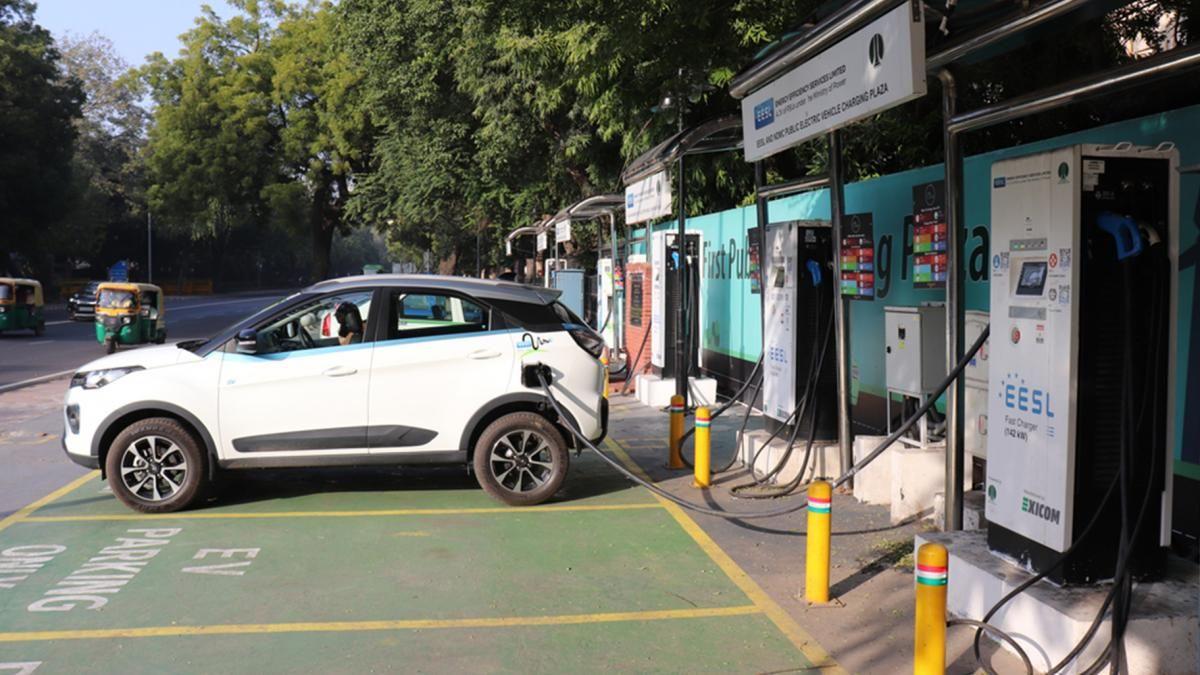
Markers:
439,359
301,396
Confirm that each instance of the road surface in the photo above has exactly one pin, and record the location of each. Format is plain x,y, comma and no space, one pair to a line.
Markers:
70,344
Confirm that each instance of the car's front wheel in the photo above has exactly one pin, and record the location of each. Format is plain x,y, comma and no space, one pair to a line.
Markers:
521,459
155,466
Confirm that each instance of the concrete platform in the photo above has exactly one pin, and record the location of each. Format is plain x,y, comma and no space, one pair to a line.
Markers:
1163,633
824,463
908,480
654,391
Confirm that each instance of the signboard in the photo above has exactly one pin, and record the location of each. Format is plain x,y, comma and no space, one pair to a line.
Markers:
541,241
562,231
930,256
878,67
635,299
857,265
119,271
648,198
779,321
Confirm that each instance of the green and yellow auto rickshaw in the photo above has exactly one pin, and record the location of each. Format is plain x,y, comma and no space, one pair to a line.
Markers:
129,314
21,305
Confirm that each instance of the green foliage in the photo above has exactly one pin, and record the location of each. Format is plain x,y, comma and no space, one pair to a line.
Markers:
38,105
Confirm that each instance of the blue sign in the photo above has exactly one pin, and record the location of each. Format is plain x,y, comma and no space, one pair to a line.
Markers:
764,113
119,271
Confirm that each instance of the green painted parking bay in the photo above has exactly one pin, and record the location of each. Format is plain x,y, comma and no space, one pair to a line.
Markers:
330,575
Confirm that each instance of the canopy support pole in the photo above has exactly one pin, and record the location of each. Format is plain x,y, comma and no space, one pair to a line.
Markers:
955,313
837,207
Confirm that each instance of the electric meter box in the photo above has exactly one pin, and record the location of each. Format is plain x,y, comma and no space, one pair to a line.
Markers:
915,348
1078,377
667,297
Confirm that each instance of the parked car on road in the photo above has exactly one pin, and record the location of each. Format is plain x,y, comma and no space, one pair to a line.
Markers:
423,370
81,306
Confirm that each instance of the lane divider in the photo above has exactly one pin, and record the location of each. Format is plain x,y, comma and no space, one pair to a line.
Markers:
221,515
401,624
800,639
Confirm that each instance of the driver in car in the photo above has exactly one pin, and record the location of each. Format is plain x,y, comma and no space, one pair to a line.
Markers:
352,324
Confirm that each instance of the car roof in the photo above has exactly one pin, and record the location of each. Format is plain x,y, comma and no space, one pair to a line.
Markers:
486,289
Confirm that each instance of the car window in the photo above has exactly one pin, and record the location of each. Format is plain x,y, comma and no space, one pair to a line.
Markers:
419,314
330,321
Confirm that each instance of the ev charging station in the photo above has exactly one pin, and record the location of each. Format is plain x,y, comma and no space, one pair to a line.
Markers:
797,274
1080,383
668,295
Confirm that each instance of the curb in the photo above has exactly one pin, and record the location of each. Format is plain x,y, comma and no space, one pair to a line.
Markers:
35,380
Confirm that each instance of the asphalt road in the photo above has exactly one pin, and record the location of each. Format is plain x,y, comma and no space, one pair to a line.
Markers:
69,344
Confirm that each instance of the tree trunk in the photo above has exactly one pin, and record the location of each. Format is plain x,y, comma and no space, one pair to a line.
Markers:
322,245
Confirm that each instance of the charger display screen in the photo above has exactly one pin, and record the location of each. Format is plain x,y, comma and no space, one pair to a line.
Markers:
1033,278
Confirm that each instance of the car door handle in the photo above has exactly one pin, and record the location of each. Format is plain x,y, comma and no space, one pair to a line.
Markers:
483,354
339,371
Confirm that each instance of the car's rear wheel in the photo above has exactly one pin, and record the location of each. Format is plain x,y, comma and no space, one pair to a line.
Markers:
155,466
521,459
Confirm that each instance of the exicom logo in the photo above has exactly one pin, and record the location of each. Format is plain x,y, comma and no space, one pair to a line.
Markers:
1023,398
764,113
1040,510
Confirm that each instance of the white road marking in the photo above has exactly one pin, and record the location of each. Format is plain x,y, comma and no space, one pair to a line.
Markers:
20,668
38,342
224,569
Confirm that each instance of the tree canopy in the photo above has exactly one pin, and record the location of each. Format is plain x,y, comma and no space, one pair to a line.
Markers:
441,125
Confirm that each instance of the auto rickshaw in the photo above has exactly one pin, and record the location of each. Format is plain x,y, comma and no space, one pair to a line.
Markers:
129,314
21,305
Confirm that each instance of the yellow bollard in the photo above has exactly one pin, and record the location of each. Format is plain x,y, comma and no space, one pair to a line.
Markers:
703,447
675,460
604,362
816,559
929,651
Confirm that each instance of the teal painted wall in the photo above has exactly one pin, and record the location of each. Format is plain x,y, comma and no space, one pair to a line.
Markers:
732,312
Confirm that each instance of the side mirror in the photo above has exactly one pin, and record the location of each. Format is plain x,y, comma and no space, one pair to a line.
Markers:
153,314
247,341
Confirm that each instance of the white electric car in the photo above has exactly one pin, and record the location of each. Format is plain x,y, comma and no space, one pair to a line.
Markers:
424,370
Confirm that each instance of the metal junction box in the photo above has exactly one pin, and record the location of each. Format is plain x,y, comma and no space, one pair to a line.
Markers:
915,348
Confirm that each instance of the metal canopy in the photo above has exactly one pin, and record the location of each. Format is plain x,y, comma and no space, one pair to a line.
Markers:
706,137
589,208
802,47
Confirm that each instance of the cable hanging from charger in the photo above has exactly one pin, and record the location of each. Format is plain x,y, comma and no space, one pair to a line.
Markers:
544,379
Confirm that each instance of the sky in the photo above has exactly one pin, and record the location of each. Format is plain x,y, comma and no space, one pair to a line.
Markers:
136,27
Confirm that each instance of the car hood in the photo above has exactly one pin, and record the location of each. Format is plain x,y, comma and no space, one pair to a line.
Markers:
146,357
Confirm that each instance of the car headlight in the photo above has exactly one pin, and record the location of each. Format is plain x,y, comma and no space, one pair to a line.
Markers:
98,378
126,320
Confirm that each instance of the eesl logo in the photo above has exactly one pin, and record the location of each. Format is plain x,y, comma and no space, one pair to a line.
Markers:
999,182
1040,510
629,200
1022,398
764,113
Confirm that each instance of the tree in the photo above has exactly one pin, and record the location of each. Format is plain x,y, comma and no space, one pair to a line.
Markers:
105,223
38,105
324,130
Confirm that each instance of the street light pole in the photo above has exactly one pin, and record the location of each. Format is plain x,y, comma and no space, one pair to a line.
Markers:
149,249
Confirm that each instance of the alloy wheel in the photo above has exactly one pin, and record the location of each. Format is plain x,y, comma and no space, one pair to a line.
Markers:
153,468
522,460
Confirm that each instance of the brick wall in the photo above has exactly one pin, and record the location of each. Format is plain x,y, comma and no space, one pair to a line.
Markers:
636,334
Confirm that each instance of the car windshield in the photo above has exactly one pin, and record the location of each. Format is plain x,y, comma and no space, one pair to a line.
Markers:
117,299
6,292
